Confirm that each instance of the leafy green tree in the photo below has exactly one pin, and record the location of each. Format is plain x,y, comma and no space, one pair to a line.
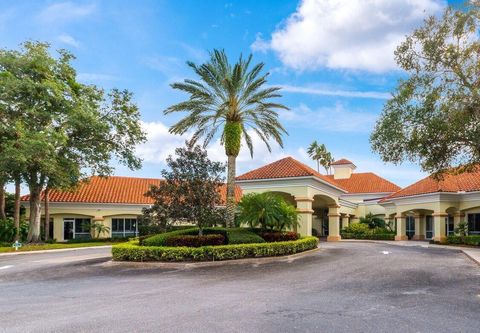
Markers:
320,154
189,191
58,130
433,116
231,99
267,210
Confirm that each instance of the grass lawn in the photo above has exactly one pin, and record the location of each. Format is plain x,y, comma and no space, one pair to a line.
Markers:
54,246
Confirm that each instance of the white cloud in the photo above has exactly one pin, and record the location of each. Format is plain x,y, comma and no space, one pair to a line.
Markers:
69,40
331,119
354,34
168,66
160,144
65,11
335,92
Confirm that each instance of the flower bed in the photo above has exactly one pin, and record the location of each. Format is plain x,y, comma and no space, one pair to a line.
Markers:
132,251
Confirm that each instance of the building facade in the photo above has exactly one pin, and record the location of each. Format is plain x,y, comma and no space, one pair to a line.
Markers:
428,209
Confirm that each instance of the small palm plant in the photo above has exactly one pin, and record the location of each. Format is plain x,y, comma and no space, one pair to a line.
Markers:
98,229
232,100
372,221
267,211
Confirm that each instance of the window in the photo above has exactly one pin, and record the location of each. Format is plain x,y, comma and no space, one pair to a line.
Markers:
474,224
429,227
76,228
124,227
82,226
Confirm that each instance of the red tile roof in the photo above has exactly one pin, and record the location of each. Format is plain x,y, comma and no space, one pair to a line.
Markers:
114,189
285,168
450,183
342,162
366,182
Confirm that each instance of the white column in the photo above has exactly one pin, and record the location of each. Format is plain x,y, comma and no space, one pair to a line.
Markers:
333,224
419,227
440,230
401,228
305,211
345,220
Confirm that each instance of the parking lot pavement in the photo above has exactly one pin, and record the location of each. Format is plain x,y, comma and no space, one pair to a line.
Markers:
345,287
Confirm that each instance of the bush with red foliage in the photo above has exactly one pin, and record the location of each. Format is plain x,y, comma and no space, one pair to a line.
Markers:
279,236
195,240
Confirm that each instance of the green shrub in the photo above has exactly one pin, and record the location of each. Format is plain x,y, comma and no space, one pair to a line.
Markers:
372,236
161,239
195,240
8,230
473,240
279,236
243,236
132,251
356,229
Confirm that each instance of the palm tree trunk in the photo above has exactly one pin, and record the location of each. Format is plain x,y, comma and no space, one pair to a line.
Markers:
231,204
16,210
46,226
3,216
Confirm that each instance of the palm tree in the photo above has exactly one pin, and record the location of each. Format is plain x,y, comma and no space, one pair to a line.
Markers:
231,99
320,154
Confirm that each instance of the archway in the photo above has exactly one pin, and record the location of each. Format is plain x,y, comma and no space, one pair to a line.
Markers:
321,206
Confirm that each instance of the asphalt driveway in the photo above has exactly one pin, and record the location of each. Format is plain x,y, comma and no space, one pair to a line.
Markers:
345,287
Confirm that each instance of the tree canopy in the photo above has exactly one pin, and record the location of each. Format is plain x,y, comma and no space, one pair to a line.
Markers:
433,116
231,100
55,130
189,192
320,154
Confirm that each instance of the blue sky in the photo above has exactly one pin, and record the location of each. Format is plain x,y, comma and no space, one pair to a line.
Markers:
334,60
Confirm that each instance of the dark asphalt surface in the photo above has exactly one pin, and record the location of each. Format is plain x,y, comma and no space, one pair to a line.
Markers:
345,287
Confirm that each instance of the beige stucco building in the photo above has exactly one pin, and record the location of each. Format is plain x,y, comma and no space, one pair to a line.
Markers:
428,209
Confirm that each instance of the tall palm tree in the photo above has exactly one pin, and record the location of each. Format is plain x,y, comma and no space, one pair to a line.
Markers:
320,154
230,99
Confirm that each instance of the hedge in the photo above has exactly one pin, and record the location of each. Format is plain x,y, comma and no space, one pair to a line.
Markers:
371,236
279,236
195,241
243,236
467,240
161,239
132,251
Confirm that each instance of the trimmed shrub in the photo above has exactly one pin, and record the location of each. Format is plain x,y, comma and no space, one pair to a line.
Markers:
279,236
243,236
195,241
132,251
473,240
372,236
161,239
356,228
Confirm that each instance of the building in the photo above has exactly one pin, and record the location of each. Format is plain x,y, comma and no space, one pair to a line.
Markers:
428,209
114,201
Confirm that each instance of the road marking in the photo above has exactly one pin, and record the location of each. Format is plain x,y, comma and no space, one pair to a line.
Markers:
385,252
5,267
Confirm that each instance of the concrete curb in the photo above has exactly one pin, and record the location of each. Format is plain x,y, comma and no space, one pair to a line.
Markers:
468,252
187,265
54,250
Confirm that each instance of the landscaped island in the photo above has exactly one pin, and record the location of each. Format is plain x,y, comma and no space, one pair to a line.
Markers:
213,244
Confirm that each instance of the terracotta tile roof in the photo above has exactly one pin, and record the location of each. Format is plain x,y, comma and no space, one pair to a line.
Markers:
115,189
285,168
366,182
451,183
342,161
